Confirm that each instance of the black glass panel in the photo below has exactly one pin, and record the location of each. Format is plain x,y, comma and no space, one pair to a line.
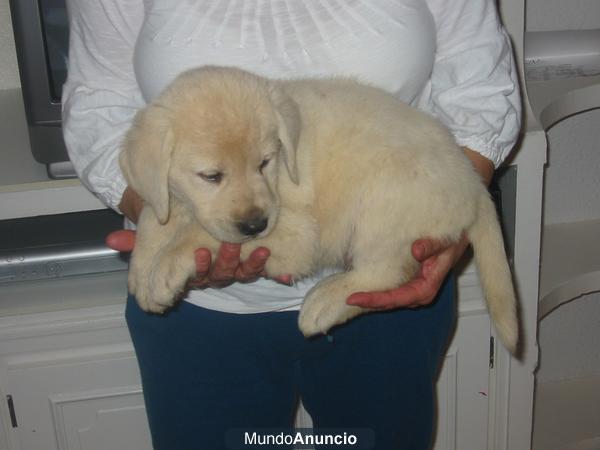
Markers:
56,37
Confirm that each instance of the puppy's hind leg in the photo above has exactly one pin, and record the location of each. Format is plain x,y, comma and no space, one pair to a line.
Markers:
376,265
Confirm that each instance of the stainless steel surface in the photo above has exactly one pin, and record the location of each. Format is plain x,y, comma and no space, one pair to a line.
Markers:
58,261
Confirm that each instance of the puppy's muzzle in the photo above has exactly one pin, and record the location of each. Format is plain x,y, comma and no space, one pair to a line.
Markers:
253,226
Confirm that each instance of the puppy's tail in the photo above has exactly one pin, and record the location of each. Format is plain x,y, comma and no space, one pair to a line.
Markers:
494,272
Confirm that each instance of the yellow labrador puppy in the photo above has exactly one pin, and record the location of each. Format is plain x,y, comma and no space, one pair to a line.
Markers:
322,172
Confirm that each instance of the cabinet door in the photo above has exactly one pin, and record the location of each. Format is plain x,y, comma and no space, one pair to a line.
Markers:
84,399
463,387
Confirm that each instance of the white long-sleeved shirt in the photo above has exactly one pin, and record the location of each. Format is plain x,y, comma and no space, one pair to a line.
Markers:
452,59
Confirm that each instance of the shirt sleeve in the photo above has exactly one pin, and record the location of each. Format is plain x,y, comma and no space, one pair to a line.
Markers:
474,87
101,94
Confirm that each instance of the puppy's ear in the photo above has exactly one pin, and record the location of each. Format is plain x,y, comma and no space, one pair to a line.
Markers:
146,157
289,126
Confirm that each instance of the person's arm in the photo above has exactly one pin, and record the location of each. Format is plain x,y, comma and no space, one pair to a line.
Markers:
483,166
474,91
101,94
474,88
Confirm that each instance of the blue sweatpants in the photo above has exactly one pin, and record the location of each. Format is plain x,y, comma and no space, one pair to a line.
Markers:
206,372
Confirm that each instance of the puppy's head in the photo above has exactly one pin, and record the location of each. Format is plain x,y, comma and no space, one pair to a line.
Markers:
214,141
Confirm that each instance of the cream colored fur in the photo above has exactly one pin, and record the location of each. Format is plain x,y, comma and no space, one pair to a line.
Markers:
353,175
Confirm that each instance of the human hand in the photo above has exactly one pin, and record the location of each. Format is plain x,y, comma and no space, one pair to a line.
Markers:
227,269
436,258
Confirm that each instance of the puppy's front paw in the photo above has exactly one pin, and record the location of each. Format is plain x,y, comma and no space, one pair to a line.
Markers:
167,282
325,306
144,297
138,284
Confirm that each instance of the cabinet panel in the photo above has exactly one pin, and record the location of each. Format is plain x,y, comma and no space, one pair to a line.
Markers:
89,400
100,420
463,388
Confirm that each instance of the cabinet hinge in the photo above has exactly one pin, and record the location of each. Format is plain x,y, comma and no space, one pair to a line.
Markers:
11,411
492,350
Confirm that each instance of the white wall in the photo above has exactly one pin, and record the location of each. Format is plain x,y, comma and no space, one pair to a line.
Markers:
547,15
573,175
570,336
570,341
9,75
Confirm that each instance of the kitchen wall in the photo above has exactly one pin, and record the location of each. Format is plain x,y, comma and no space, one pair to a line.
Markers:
9,75
570,336
543,15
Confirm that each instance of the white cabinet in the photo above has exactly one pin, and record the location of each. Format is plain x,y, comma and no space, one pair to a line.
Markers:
77,402
69,380
464,383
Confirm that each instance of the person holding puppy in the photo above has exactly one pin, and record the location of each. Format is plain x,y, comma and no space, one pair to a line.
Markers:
231,355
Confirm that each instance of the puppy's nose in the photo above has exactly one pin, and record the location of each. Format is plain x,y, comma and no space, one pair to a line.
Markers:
253,227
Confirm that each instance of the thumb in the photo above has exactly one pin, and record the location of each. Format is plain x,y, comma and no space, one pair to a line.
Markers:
121,240
426,248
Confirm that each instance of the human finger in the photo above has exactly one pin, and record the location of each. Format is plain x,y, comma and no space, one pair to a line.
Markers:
121,240
426,248
417,292
254,266
203,259
226,264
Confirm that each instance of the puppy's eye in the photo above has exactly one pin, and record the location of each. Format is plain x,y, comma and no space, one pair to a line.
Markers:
211,177
265,162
